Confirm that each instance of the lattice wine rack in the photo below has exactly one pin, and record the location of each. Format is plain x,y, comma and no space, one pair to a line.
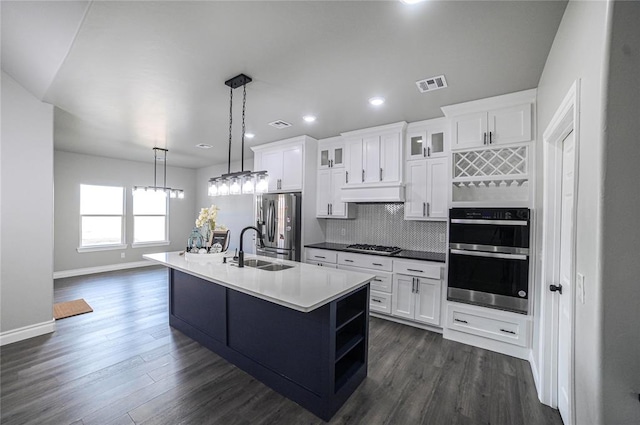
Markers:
491,175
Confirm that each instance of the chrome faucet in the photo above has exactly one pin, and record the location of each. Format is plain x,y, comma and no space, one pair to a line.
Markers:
241,252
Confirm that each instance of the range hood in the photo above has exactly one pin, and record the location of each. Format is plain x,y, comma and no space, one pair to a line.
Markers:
373,193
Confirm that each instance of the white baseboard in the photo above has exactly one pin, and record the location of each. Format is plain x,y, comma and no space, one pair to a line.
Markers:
101,269
406,322
27,332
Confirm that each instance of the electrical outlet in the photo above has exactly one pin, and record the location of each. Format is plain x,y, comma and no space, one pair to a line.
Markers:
122,255
443,237
343,232
580,287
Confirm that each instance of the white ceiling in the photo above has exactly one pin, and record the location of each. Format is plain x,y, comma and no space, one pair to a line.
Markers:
128,76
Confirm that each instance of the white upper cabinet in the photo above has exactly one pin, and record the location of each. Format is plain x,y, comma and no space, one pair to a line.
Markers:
331,153
498,120
284,163
427,189
374,156
428,139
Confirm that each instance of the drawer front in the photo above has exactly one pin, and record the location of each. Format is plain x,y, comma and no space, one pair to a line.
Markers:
383,282
418,268
374,262
321,255
505,329
380,302
322,264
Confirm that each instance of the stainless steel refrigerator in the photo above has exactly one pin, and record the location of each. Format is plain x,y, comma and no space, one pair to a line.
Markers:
278,218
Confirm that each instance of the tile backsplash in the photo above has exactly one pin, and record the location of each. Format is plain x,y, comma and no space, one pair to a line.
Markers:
384,224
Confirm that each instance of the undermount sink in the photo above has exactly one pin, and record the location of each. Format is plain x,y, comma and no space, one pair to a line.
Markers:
265,265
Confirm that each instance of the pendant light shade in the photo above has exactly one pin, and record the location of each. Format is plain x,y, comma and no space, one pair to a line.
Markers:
241,182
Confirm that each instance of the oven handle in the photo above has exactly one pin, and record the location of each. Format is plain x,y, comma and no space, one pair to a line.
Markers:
489,254
490,248
499,222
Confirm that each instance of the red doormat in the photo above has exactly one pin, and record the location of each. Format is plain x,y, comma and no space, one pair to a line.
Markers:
71,308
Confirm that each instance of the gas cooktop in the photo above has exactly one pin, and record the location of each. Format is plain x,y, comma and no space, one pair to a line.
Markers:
374,249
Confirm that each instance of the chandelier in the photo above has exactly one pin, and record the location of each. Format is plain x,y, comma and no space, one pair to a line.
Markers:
173,193
240,182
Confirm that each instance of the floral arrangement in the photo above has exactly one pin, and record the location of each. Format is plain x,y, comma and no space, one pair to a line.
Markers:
208,216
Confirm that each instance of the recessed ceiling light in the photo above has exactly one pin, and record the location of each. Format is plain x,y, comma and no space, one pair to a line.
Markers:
411,1
376,101
309,118
249,135
203,146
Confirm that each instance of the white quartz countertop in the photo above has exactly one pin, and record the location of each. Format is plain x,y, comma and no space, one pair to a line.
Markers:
304,287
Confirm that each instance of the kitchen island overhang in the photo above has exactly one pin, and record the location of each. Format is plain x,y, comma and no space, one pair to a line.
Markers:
301,331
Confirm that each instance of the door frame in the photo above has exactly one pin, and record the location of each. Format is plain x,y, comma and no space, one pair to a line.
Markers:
565,120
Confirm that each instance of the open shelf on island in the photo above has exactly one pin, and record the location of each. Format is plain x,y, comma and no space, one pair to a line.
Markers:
349,364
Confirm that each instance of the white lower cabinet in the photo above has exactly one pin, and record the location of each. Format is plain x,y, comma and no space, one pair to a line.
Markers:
322,264
381,287
416,298
380,302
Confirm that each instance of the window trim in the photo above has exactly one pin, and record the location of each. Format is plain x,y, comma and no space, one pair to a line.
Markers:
123,224
164,242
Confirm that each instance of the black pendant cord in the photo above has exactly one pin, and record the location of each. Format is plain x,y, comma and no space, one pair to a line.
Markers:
244,103
230,122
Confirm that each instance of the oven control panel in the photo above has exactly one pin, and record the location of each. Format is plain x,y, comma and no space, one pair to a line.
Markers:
490,213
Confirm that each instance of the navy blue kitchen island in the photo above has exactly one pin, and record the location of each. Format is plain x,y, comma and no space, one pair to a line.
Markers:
310,345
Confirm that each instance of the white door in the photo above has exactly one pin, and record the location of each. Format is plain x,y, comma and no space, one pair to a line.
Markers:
566,300
428,301
390,158
323,193
415,205
338,208
353,160
292,169
403,300
371,161
437,188
510,125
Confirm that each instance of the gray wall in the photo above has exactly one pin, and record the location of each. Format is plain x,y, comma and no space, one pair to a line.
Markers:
578,52
236,212
26,278
621,237
71,170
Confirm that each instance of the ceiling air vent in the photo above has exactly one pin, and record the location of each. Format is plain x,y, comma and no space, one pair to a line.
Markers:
431,84
279,124
203,146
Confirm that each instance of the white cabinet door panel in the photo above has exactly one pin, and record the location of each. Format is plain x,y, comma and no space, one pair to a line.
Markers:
323,193
390,158
353,161
469,130
272,162
416,189
292,169
338,208
437,188
402,301
428,301
510,125
371,161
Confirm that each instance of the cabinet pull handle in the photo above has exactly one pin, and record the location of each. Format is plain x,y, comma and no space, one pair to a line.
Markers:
428,214
330,163
428,151
363,176
377,264
424,151
424,209
378,280
490,137
484,139
349,261
507,331
381,174
320,256
413,285
346,177
331,205
415,270
460,320
376,300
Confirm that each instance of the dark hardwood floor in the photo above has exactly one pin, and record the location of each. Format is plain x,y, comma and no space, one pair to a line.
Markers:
123,364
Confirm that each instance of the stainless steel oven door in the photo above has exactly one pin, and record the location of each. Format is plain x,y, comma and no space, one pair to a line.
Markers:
493,279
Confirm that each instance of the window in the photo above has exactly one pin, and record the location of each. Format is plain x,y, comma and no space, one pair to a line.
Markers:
101,217
149,217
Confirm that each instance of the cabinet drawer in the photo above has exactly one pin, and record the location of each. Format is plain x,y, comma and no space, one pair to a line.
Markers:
322,264
374,262
383,282
321,255
418,268
380,302
500,326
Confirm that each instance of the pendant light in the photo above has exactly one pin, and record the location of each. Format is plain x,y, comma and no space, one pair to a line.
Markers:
240,182
173,193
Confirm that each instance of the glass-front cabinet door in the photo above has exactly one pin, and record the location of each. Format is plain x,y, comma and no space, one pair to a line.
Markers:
330,153
427,139
417,144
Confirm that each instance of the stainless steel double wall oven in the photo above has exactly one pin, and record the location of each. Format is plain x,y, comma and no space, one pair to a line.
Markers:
489,257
